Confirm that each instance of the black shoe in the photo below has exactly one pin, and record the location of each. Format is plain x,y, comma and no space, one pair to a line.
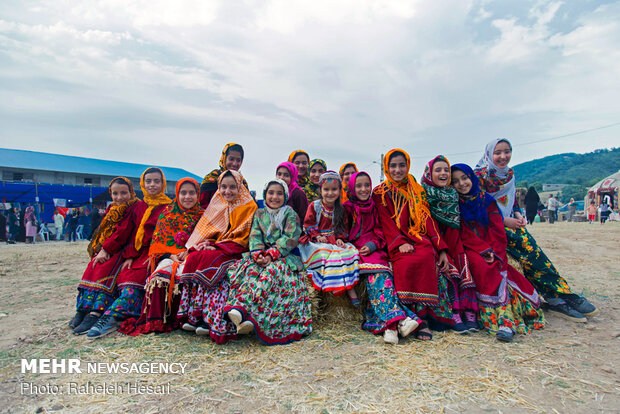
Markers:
504,335
581,305
472,326
77,319
564,310
88,322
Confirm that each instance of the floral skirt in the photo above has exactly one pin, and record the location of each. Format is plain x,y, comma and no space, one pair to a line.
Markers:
201,305
537,267
519,314
90,300
274,298
127,304
384,308
440,316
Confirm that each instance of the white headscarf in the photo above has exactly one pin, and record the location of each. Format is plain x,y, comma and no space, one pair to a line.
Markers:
276,216
506,195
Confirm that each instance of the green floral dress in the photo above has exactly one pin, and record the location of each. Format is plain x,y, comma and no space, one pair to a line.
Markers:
275,297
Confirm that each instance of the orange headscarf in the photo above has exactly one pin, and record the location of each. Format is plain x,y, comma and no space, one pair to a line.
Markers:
296,153
223,221
344,196
405,192
152,201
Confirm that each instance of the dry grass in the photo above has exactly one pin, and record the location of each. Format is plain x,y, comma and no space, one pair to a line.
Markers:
566,367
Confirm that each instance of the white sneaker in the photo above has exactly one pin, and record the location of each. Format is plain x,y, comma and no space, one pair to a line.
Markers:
188,327
202,330
245,328
406,326
390,336
235,317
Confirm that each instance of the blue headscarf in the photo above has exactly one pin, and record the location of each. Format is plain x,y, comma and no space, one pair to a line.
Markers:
473,205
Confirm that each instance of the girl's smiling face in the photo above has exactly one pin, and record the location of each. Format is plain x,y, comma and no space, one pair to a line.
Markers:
274,197
228,189
188,197
502,154
301,162
330,191
461,182
440,174
153,182
362,187
284,174
233,161
397,167
120,193
347,173
315,172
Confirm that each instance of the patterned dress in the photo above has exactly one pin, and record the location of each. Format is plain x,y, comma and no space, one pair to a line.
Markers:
275,297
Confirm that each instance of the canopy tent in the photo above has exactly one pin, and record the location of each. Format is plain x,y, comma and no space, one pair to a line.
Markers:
606,187
48,195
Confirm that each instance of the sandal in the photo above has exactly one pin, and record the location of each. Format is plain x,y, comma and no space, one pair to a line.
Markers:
423,332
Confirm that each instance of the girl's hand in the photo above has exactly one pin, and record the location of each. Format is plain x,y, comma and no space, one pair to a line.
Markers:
488,257
444,264
127,264
406,248
267,259
321,239
513,223
364,251
202,245
209,248
260,259
101,257
181,256
174,258
339,243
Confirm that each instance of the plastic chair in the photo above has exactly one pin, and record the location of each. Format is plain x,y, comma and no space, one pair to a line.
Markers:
78,232
44,232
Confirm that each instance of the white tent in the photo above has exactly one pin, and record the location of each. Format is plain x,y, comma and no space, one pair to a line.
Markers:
608,186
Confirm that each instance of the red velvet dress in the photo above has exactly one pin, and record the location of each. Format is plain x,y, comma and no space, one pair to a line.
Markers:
505,296
416,275
298,201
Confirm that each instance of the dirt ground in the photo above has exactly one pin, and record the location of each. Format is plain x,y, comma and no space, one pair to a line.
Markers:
567,367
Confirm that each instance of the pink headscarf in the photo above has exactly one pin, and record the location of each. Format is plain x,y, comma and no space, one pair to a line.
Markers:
292,170
360,207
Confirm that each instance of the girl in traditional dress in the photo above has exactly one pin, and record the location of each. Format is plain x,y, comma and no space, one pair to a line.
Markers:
219,238
166,256
509,303
346,171
135,268
287,172
384,313
301,159
332,262
268,293
415,248
96,289
316,168
31,224
497,179
443,203
231,160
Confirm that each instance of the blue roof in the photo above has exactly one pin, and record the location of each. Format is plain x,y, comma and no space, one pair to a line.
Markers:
66,163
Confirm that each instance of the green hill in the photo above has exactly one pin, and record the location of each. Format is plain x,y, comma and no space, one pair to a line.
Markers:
579,170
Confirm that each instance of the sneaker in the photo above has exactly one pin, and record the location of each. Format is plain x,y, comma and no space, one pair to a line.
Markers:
390,336
202,329
504,335
105,325
235,317
245,328
88,322
188,327
406,326
77,319
581,305
563,310
460,328
472,326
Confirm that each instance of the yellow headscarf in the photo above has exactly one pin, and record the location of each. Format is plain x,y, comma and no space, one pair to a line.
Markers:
406,191
152,201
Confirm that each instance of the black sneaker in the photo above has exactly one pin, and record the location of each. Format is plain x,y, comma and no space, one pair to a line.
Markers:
88,322
505,335
564,310
77,319
581,305
105,325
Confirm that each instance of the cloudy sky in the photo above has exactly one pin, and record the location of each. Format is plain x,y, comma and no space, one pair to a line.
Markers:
169,82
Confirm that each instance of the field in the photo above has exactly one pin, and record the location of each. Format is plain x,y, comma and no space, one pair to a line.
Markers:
567,367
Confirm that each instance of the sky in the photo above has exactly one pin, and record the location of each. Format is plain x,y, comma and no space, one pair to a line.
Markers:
170,82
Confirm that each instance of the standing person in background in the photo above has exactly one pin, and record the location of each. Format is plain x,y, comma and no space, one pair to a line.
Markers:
605,210
31,224
59,224
572,206
591,212
531,204
72,226
552,206
13,220
3,235
21,232
95,220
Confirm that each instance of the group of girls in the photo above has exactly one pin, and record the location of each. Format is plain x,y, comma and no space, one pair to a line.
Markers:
431,255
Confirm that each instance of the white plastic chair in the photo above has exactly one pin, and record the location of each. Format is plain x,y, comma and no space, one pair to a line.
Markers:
78,232
44,233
